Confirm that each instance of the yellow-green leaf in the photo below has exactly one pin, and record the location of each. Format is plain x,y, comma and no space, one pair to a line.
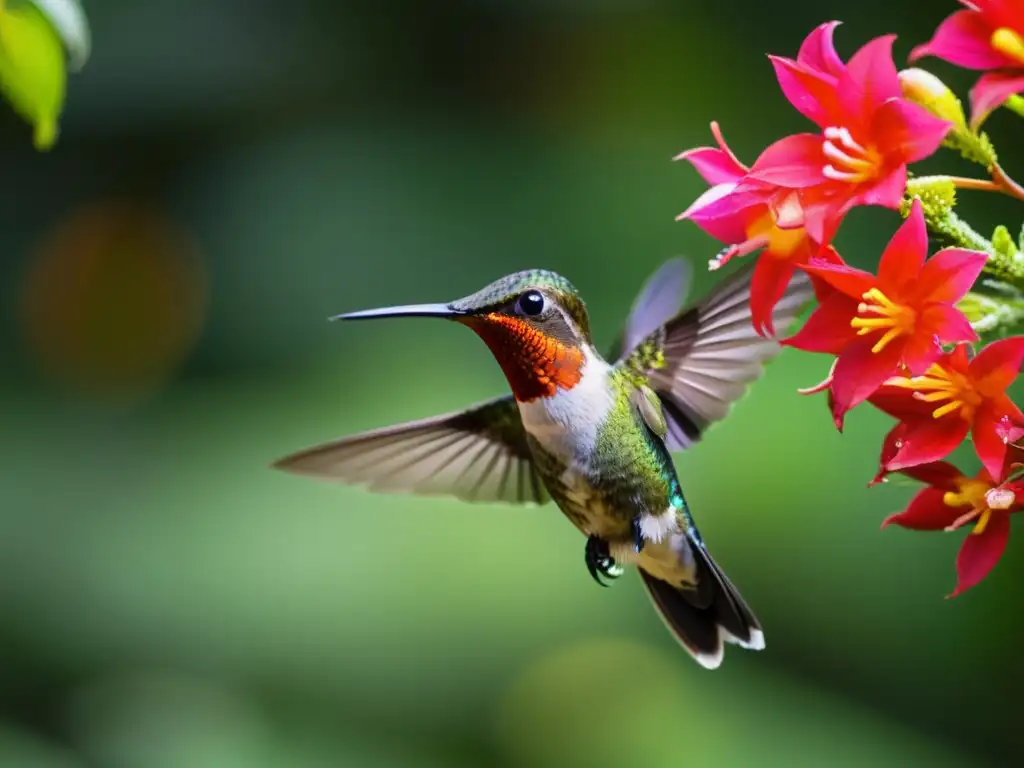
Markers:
32,69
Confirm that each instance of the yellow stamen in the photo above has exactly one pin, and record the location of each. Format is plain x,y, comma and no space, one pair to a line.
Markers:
938,413
916,382
869,324
979,527
876,295
971,493
848,160
931,397
939,385
897,319
1009,43
891,334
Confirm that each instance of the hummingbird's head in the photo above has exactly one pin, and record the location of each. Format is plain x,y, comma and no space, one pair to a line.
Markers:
534,323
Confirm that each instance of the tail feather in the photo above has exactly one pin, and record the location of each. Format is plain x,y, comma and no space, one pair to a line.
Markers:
703,626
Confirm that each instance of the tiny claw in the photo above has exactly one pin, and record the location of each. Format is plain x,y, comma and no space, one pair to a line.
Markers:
600,562
595,554
638,536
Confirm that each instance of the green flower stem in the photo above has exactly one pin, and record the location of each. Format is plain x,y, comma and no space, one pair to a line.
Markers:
963,235
1005,182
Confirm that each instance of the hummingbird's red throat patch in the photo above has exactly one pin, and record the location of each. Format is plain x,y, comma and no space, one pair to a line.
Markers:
535,364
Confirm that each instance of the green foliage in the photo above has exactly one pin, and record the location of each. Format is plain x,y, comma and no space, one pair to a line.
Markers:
995,314
1003,243
39,42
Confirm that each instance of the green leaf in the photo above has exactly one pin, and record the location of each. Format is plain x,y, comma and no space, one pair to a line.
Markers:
32,73
34,38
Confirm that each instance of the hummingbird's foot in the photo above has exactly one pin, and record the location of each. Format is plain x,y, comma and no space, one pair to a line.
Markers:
638,536
599,560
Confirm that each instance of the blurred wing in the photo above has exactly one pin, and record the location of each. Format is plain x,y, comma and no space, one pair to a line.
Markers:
658,301
703,360
479,454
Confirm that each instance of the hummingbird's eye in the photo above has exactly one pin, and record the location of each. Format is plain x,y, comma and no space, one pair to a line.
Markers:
531,303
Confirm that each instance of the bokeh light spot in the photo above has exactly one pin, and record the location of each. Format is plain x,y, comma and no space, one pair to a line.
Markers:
113,301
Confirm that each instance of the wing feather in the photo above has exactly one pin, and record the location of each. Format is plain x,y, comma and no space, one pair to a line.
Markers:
471,455
704,359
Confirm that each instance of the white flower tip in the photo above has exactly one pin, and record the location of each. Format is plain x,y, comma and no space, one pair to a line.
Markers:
1000,498
69,20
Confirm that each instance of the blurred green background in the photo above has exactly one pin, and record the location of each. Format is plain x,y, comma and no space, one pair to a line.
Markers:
231,173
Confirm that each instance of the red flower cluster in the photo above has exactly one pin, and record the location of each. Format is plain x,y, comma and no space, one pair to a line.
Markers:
898,338
790,203
989,36
897,321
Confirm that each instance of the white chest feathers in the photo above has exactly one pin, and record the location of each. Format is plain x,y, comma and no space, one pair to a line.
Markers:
567,423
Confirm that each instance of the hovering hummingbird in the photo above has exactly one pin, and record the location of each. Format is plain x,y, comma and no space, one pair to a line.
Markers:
594,436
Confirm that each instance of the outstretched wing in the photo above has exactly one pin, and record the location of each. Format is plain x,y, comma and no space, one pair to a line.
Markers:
479,454
702,360
659,301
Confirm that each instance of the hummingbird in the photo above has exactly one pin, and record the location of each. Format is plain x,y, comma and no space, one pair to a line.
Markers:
592,433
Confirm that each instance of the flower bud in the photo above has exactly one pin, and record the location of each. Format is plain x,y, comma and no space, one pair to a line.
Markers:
926,89
936,193
1002,242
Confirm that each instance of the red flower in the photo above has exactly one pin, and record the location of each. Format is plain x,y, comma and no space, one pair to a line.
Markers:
989,35
900,318
869,131
750,217
878,325
952,500
909,412
954,397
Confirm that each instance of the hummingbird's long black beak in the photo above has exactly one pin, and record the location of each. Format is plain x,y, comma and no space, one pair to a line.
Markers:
406,310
